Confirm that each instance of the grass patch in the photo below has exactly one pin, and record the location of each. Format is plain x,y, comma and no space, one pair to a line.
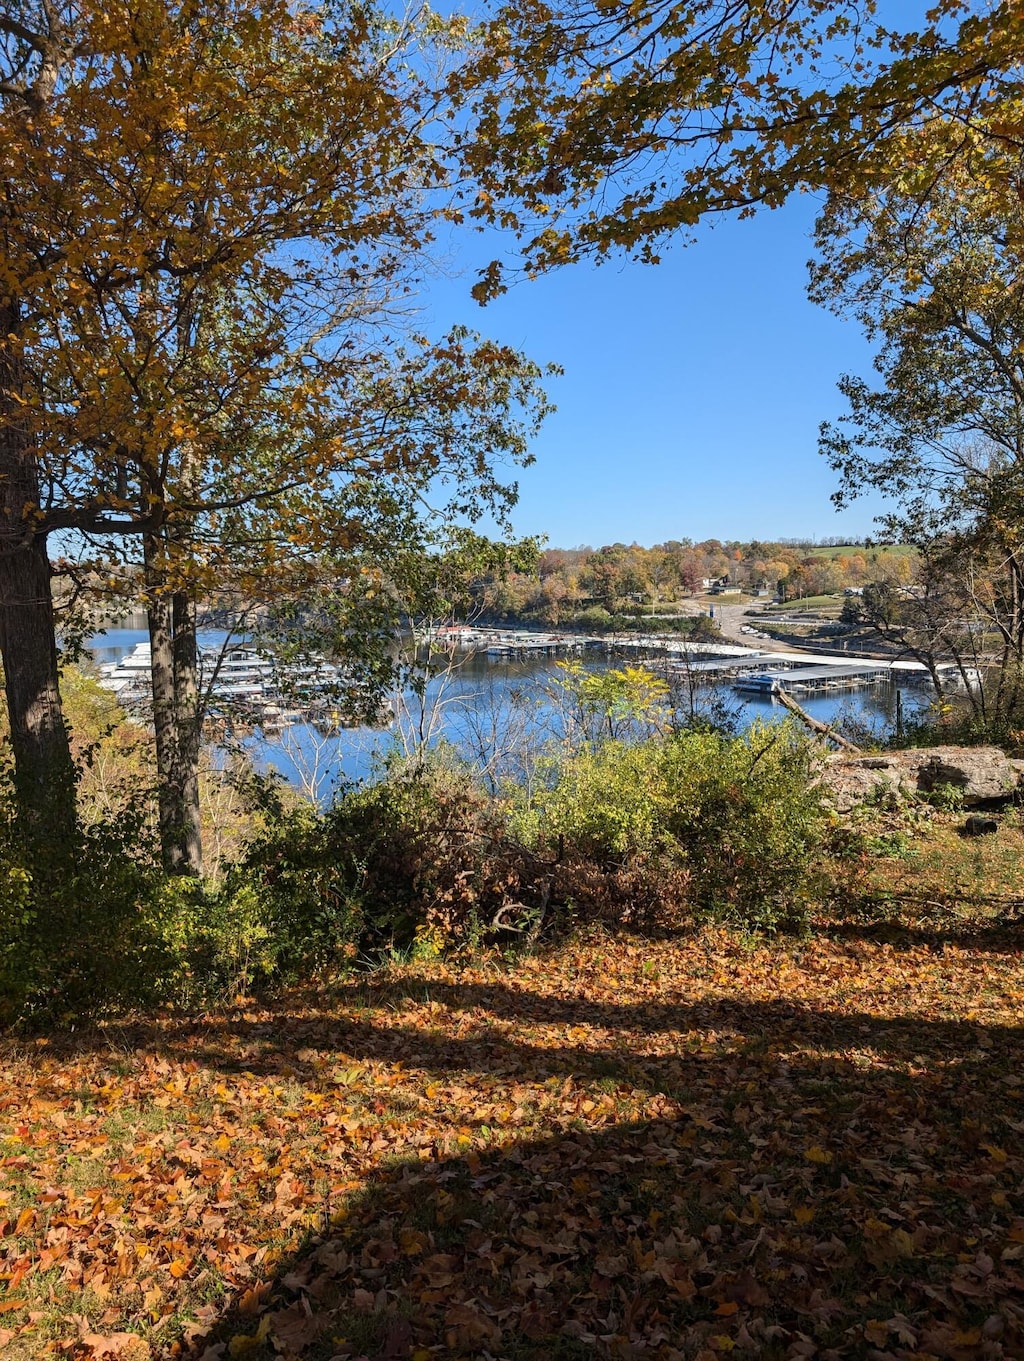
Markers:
896,550
819,603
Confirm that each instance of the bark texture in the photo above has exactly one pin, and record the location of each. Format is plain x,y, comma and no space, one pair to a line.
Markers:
176,720
44,772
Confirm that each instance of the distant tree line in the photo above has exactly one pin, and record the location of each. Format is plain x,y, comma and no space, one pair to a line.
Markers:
590,586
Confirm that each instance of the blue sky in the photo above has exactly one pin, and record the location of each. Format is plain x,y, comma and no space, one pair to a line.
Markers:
693,389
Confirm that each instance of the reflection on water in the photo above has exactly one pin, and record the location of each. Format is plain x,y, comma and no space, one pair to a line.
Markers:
115,644
496,712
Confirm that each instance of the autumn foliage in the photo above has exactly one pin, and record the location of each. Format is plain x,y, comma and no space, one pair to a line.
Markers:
323,1105
612,1150
675,1145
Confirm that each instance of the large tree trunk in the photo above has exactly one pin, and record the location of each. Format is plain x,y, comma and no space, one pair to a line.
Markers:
44,772
176,720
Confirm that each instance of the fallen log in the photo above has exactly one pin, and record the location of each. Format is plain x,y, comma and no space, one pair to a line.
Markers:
815,725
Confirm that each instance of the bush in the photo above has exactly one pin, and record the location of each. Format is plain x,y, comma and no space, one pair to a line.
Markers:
728,825
78,933
291,907
432,851
646,835
594,619
749,822
93,925
423,853
608,803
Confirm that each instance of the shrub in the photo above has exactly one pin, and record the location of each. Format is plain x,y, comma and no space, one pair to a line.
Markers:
748,821
93,925
421,855
594,619
77,931
730,824
645,835
291,907
608,803
432,851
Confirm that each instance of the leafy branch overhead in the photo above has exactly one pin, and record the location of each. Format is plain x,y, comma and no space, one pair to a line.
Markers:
931,269
215,218
598,128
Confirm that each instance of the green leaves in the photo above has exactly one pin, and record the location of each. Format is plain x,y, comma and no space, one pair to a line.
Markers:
709,823
930,262
599,130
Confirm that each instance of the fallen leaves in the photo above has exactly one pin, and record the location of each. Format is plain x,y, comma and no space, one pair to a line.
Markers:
802,1150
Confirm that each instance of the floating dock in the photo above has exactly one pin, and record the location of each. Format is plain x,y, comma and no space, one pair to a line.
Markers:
815,680
242,684
504,643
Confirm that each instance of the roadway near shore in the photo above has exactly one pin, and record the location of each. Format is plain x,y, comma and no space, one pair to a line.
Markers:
731,619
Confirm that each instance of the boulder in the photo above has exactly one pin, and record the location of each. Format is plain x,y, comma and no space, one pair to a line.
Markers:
981,774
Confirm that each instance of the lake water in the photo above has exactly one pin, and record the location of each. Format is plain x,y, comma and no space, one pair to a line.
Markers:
496,712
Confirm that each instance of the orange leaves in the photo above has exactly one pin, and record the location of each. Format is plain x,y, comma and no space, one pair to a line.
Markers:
25,1221
768,1149
116,1347
201,157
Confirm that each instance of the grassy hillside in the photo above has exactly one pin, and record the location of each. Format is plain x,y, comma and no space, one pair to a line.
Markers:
898,550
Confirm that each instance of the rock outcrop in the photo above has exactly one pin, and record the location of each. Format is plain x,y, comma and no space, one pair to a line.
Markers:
981,775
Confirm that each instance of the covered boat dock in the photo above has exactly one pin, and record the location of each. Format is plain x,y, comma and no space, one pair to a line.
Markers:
816,680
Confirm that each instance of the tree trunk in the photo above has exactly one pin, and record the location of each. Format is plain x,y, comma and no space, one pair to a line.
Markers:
44,774
175,720
188,720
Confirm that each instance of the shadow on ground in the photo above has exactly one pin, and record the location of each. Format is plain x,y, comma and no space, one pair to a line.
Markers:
772,1177
822,1185
651,1240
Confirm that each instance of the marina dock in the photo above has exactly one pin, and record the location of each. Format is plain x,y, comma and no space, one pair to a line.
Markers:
243,684
814,680
508,643
754,670
676,655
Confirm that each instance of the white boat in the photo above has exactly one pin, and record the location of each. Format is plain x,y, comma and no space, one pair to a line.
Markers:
758,683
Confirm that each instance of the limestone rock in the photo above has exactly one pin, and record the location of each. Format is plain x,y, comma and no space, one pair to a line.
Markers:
981,774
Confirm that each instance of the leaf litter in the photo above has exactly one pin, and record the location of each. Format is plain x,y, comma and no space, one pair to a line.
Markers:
614,1149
